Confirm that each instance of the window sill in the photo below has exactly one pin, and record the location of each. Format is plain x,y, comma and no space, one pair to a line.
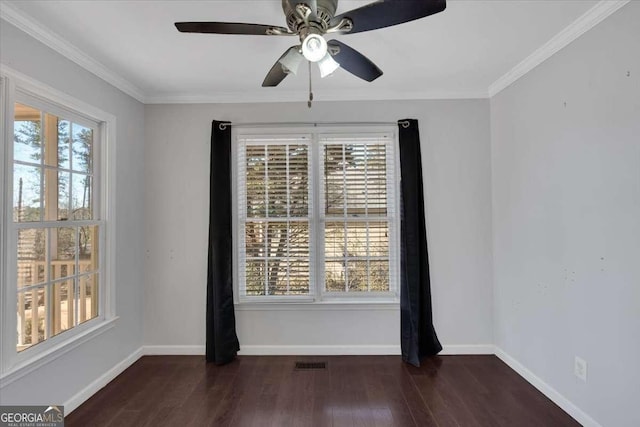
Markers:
48,356
367,305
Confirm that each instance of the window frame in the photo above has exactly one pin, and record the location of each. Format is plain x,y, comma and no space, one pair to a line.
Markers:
317,294
17,87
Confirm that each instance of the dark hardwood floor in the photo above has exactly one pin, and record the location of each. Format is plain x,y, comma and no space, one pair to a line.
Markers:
351,391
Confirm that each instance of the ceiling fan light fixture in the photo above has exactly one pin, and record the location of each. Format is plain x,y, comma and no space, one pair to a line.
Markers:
314,47
327,66
292,60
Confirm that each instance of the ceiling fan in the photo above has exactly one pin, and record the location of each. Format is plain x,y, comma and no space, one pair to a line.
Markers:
310,20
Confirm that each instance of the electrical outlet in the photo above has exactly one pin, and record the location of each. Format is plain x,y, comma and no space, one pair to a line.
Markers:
580,368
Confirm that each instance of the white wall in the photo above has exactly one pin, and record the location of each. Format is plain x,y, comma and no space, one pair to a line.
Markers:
456,160
63,378
566,206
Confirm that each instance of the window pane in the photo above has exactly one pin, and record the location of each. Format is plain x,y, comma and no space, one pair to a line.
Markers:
63,252
81,197
63,309
82,148
277,277
357,239
299,277
255,239
32,245
378,239
26,193
256,178
334,239
255,277
276,253
355,179
298,239
357,276
334,179
277,239
50,140
88,248
376,180
32,315
298,181
61,181
87,297
283,263
356,172
277,181
63,144
27,127
379,276
334,276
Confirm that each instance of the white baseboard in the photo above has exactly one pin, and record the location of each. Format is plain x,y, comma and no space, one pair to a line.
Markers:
174,350
457,349
313,350
318,350
557,398
82,396
278,350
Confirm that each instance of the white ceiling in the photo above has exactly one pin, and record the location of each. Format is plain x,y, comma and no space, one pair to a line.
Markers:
458,53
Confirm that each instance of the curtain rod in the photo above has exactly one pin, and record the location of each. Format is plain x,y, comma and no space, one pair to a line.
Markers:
403,123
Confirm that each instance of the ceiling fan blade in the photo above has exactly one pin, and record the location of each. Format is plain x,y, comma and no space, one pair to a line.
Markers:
353,61
277,73
232,28
385,13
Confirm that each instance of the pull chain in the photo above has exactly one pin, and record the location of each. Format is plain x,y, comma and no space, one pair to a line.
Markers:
310,91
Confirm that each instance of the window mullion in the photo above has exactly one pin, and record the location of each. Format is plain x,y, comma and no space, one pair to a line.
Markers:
42,164
287,183
48,279
316,215
366,214
75,283
345,251
266,223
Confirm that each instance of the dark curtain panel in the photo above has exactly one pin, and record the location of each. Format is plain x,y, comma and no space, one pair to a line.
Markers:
418,337
222,341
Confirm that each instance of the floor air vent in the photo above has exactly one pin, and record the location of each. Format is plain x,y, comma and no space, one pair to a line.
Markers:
305,366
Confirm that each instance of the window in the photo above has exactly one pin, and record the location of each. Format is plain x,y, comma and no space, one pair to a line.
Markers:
56,247
57,230
317,217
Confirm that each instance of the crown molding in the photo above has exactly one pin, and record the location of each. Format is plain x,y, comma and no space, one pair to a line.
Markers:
269,95
38,31
584,23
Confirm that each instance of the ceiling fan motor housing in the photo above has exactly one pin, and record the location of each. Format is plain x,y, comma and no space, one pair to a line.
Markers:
326,11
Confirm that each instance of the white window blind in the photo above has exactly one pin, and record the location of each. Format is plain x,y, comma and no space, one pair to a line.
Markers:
275,201
358,212
316,216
